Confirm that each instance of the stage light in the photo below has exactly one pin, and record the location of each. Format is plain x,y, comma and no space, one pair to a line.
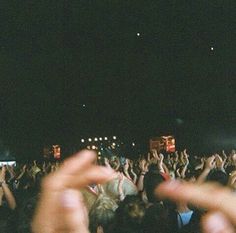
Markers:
105,138
113,144
133,144
114,137
100,139
82,140
90,140
99,153
93,147
95,139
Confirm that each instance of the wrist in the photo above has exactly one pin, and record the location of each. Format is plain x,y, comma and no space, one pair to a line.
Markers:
207,169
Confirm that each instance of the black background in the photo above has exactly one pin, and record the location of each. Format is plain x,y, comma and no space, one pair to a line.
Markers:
57,55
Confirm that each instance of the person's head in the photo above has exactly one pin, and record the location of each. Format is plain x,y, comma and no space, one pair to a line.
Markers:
102,214
130,215
218,176
151,182
156,220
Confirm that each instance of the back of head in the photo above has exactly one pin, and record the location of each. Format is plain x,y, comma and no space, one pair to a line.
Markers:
218,176
102,213
130,215
151,181
156,220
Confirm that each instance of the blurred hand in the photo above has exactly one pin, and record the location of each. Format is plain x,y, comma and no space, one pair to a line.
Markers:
220,203
61,208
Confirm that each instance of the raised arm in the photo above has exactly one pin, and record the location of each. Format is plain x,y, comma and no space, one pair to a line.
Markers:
143,165
209,165
6,191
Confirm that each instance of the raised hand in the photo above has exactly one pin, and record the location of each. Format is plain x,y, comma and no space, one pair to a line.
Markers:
61,208
219,162
210,163
3,174
143,165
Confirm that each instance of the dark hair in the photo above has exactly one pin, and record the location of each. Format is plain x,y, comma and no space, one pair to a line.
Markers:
130,215
218,176
156,220
151,181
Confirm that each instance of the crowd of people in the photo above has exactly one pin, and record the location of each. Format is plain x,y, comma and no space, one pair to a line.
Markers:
154,193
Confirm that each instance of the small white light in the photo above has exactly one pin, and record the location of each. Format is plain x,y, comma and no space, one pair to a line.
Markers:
105,138
82,140
133,144
90,140
212,48
88,147
93,147
100,139
84,105
138,34
99,153
114,137
95,139
113,144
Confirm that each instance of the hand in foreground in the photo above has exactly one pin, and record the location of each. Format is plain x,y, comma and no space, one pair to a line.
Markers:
220,202
61,208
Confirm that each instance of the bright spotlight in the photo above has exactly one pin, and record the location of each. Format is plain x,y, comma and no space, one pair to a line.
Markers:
114,137
90,140
82,140
95,139
100,139
93,147
133,144
105,138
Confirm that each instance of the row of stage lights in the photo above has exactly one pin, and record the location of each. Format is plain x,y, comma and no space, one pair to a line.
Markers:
98,139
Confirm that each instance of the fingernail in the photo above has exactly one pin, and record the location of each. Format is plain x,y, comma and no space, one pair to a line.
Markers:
69,199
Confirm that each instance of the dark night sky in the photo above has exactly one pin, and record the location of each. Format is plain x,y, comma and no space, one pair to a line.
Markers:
57,55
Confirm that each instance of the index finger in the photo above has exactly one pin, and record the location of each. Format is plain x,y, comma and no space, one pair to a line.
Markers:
78,161
210,196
